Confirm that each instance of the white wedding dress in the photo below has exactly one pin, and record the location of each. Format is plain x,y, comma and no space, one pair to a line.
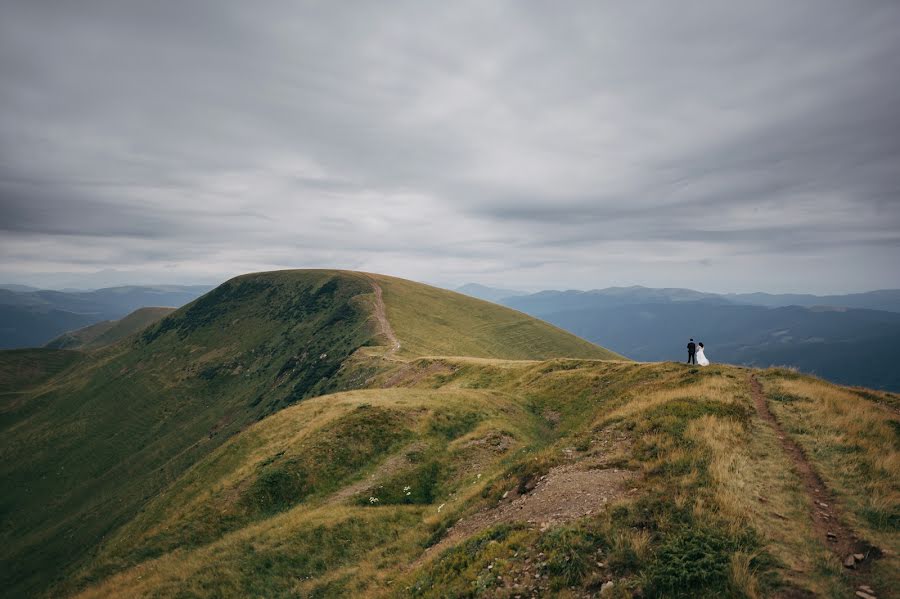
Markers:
701,357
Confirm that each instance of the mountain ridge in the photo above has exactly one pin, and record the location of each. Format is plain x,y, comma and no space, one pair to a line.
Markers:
298,433
245,350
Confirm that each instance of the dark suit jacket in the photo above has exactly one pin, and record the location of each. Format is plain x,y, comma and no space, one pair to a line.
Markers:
692,348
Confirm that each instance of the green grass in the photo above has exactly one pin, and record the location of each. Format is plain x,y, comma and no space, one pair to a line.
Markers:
111,435
108,332
694,527
436,322
24,369
254,443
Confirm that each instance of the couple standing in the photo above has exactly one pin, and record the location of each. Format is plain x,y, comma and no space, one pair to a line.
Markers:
695,354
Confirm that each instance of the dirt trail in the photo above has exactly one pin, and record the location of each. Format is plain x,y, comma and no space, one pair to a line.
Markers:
826,517
381,316
392,465
566,493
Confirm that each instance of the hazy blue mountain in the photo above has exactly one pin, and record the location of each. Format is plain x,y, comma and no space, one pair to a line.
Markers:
32,318
16,287
882,299
550,302
491,294
23,326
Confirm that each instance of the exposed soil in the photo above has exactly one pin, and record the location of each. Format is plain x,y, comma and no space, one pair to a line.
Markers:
392,465
565,493
824,512
383,323
414,373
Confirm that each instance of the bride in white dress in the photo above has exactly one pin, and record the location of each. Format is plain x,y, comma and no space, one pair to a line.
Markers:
702,360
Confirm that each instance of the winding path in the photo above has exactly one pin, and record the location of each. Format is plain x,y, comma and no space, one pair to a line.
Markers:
828,523
381,316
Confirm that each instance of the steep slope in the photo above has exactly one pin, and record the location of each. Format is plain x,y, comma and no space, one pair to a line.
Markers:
108,332
474,477
82,453
21,370
80,457
437,322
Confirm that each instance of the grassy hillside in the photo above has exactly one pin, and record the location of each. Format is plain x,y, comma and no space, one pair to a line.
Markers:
437,322
22,370
497,478
300,433
82,455
108,332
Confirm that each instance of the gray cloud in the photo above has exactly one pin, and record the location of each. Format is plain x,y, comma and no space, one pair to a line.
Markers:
719,146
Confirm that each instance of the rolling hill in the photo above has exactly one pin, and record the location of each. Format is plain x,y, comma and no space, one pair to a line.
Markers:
107,332
143,411
333,434
32,318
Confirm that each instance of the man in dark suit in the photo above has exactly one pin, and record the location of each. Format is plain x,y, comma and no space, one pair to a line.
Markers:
692,352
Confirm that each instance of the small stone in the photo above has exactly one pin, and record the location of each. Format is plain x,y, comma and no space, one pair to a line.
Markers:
859,557
850,562
866,588
864,595
606,587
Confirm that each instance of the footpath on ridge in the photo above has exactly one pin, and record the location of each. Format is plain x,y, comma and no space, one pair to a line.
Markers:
381,316
828,522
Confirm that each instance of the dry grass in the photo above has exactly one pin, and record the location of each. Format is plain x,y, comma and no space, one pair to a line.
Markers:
853,443
705,457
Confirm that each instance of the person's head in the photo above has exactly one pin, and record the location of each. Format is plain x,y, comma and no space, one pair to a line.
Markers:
692,339
700,344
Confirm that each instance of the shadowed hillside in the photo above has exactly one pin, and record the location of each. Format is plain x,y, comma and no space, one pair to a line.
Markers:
84,451
109,331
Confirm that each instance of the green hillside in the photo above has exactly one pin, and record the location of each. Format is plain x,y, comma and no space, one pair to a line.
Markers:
108,332
497,478
22,370
437,322
82,455
335,434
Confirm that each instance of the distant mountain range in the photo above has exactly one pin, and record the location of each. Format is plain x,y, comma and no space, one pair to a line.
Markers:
555,301
851,339
491,294
31,318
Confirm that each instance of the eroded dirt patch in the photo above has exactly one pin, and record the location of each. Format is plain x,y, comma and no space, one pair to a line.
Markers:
414,373
394,464
565,493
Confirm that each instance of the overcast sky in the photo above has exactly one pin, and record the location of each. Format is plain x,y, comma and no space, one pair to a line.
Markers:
724,146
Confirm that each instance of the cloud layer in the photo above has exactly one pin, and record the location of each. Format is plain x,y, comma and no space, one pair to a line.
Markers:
714,145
